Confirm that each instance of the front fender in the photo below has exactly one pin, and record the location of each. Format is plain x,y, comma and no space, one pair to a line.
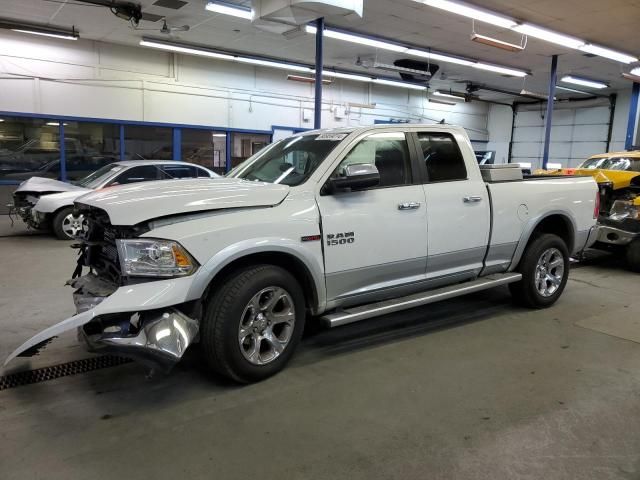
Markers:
207,272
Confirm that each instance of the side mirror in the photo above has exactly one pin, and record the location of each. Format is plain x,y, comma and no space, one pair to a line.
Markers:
356,177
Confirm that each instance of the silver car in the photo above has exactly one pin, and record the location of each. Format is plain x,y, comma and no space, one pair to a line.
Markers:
45,203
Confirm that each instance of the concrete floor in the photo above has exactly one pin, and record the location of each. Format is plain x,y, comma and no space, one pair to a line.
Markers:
468,389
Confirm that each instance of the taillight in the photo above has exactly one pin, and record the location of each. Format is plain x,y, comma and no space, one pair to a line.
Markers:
596,208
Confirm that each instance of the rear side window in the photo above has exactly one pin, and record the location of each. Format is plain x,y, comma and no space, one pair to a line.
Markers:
178,171
142,173
442,157
202,173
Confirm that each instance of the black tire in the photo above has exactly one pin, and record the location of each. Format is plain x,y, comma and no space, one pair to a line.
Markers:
633,255
56,224
525,292
219,333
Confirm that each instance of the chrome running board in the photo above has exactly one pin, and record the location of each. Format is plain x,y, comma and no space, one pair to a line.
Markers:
362,312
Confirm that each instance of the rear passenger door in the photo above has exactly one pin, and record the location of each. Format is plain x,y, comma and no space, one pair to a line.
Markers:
458,207
375,239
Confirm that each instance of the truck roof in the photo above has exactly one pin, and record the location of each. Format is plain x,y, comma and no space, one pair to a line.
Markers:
385,126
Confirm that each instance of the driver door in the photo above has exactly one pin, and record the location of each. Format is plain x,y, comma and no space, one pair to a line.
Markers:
375,240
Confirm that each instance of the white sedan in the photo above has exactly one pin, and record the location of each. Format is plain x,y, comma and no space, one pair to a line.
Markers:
43,202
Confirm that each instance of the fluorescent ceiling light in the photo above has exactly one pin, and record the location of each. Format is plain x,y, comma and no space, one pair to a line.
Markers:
393,83
438,93
608,53
272,64
346,76
635,71
441,102
502,70
55,124
438,56
560,87
471,12
549,36
583,82
359,39
494,42
217,135
226,9
65,36
1,120
189,50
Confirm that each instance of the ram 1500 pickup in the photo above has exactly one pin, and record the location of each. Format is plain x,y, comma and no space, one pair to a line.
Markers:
332,225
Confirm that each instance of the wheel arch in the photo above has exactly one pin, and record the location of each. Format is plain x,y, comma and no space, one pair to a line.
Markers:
559,223
304,268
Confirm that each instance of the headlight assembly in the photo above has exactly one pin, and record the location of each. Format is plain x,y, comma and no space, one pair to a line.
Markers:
625,209
154,258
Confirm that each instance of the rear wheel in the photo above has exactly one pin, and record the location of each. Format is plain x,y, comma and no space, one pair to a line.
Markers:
66,225
253,323
633,255
545,270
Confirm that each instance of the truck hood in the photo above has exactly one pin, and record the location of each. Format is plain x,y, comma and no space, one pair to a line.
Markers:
132,204
41,184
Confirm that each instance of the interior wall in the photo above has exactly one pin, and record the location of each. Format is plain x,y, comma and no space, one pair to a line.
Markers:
98,80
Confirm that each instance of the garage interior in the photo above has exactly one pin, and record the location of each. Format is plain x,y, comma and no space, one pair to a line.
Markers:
473,387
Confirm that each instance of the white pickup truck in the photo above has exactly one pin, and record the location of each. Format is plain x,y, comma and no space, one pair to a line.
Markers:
334,225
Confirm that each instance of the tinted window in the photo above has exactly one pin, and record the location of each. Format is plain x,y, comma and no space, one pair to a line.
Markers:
142,173
442,157
178,171
388,152
203,173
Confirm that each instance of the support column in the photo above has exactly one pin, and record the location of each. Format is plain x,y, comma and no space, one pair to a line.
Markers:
177,144
122,142
633,116
63,154
317,119
553,78
227,147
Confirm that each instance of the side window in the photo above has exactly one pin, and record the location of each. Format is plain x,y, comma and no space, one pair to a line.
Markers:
442,157
388,152
142,173
202,173
178,171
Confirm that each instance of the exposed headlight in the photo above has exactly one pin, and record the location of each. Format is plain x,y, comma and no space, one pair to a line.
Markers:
154,258
625,209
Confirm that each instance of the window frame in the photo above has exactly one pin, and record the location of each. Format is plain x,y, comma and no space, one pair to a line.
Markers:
420,156
414,170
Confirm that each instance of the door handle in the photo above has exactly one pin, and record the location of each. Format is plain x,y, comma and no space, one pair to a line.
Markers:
472,199
408,206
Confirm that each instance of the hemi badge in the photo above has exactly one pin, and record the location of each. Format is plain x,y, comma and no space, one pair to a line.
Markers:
311,238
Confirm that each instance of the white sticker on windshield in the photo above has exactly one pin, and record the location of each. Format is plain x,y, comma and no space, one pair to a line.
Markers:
332,136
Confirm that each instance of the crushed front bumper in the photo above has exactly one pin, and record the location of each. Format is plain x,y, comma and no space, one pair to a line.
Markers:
141,321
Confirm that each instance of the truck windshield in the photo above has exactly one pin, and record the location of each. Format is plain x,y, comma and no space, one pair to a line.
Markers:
95,179
612,163
290,161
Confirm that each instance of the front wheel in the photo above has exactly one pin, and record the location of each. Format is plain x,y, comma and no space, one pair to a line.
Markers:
66,225
253,323
545,270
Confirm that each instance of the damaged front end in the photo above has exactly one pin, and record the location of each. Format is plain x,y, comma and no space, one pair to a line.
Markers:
619,222
147,319
22,206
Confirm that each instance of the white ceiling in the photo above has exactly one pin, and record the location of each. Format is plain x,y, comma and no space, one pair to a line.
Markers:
611,23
